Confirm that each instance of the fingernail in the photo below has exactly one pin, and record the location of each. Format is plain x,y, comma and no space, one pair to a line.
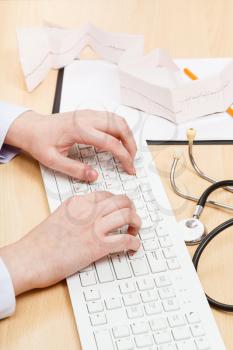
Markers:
133,170
91,175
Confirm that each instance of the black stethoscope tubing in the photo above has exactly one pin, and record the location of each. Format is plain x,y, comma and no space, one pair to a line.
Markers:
197,255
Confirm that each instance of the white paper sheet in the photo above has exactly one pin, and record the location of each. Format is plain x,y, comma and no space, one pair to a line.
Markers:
95,84
152,83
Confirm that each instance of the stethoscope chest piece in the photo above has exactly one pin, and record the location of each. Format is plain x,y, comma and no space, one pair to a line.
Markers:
193,230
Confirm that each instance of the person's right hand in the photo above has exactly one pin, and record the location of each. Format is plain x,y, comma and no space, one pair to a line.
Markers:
75,235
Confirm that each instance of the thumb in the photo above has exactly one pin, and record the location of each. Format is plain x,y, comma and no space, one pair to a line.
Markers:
73,168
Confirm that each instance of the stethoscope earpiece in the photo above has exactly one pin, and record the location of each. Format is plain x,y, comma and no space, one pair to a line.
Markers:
192,230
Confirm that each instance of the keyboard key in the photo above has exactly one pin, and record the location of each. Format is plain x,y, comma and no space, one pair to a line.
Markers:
133,194
169,253
158,324
167,347
90,161
110,174
171,305
149,295
87,278
97,187
113,303
145,186
202,343
139,267
162,280
80,187
165,242
124,344
104,271
91,294
113,184
155,216
140,173
143,340
103,340
135,311
121,266
87,152
163,336
192,317
127,287
88,268
104,156
120,167
181,333
131,299
161,232
121,331
130,185
81,146
197,330
147,223
143,214
148,196
98,319
95,306
152,206
166,292
107,165
147,233
126,177
139,254
150,244
138,202
186,345
139,327
173,264
145,283
73,150
176,320
153,307
156,265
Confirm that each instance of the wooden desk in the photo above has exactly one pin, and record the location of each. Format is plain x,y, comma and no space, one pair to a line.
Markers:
194,28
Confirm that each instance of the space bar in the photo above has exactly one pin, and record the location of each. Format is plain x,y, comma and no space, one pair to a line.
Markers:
103,340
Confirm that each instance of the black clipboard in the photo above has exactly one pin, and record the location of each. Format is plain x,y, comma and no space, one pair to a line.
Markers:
56,109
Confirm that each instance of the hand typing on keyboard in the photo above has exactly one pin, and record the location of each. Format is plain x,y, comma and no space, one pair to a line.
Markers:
70,239
49,139
80,230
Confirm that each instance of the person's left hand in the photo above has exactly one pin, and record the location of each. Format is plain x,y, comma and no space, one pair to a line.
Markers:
49,138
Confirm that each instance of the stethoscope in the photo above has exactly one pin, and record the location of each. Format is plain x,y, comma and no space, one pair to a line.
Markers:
193,229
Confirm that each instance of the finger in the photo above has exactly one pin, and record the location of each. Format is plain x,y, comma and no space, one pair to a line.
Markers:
121,242
99,196
117,126
109,143
72,167
114,203
118,219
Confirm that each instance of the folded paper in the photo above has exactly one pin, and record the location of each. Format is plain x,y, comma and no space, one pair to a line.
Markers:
152,83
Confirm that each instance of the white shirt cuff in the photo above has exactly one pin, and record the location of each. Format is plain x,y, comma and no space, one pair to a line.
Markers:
8,113
7,293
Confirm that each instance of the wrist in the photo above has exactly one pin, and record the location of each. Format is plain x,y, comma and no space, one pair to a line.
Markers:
21,130
15,259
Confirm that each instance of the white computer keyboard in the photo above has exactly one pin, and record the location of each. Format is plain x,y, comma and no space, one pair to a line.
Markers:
142,300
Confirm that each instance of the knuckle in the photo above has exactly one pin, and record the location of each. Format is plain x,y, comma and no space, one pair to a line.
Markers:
50,159
124,124
71,201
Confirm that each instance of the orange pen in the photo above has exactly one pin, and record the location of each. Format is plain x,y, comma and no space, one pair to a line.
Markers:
194,77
